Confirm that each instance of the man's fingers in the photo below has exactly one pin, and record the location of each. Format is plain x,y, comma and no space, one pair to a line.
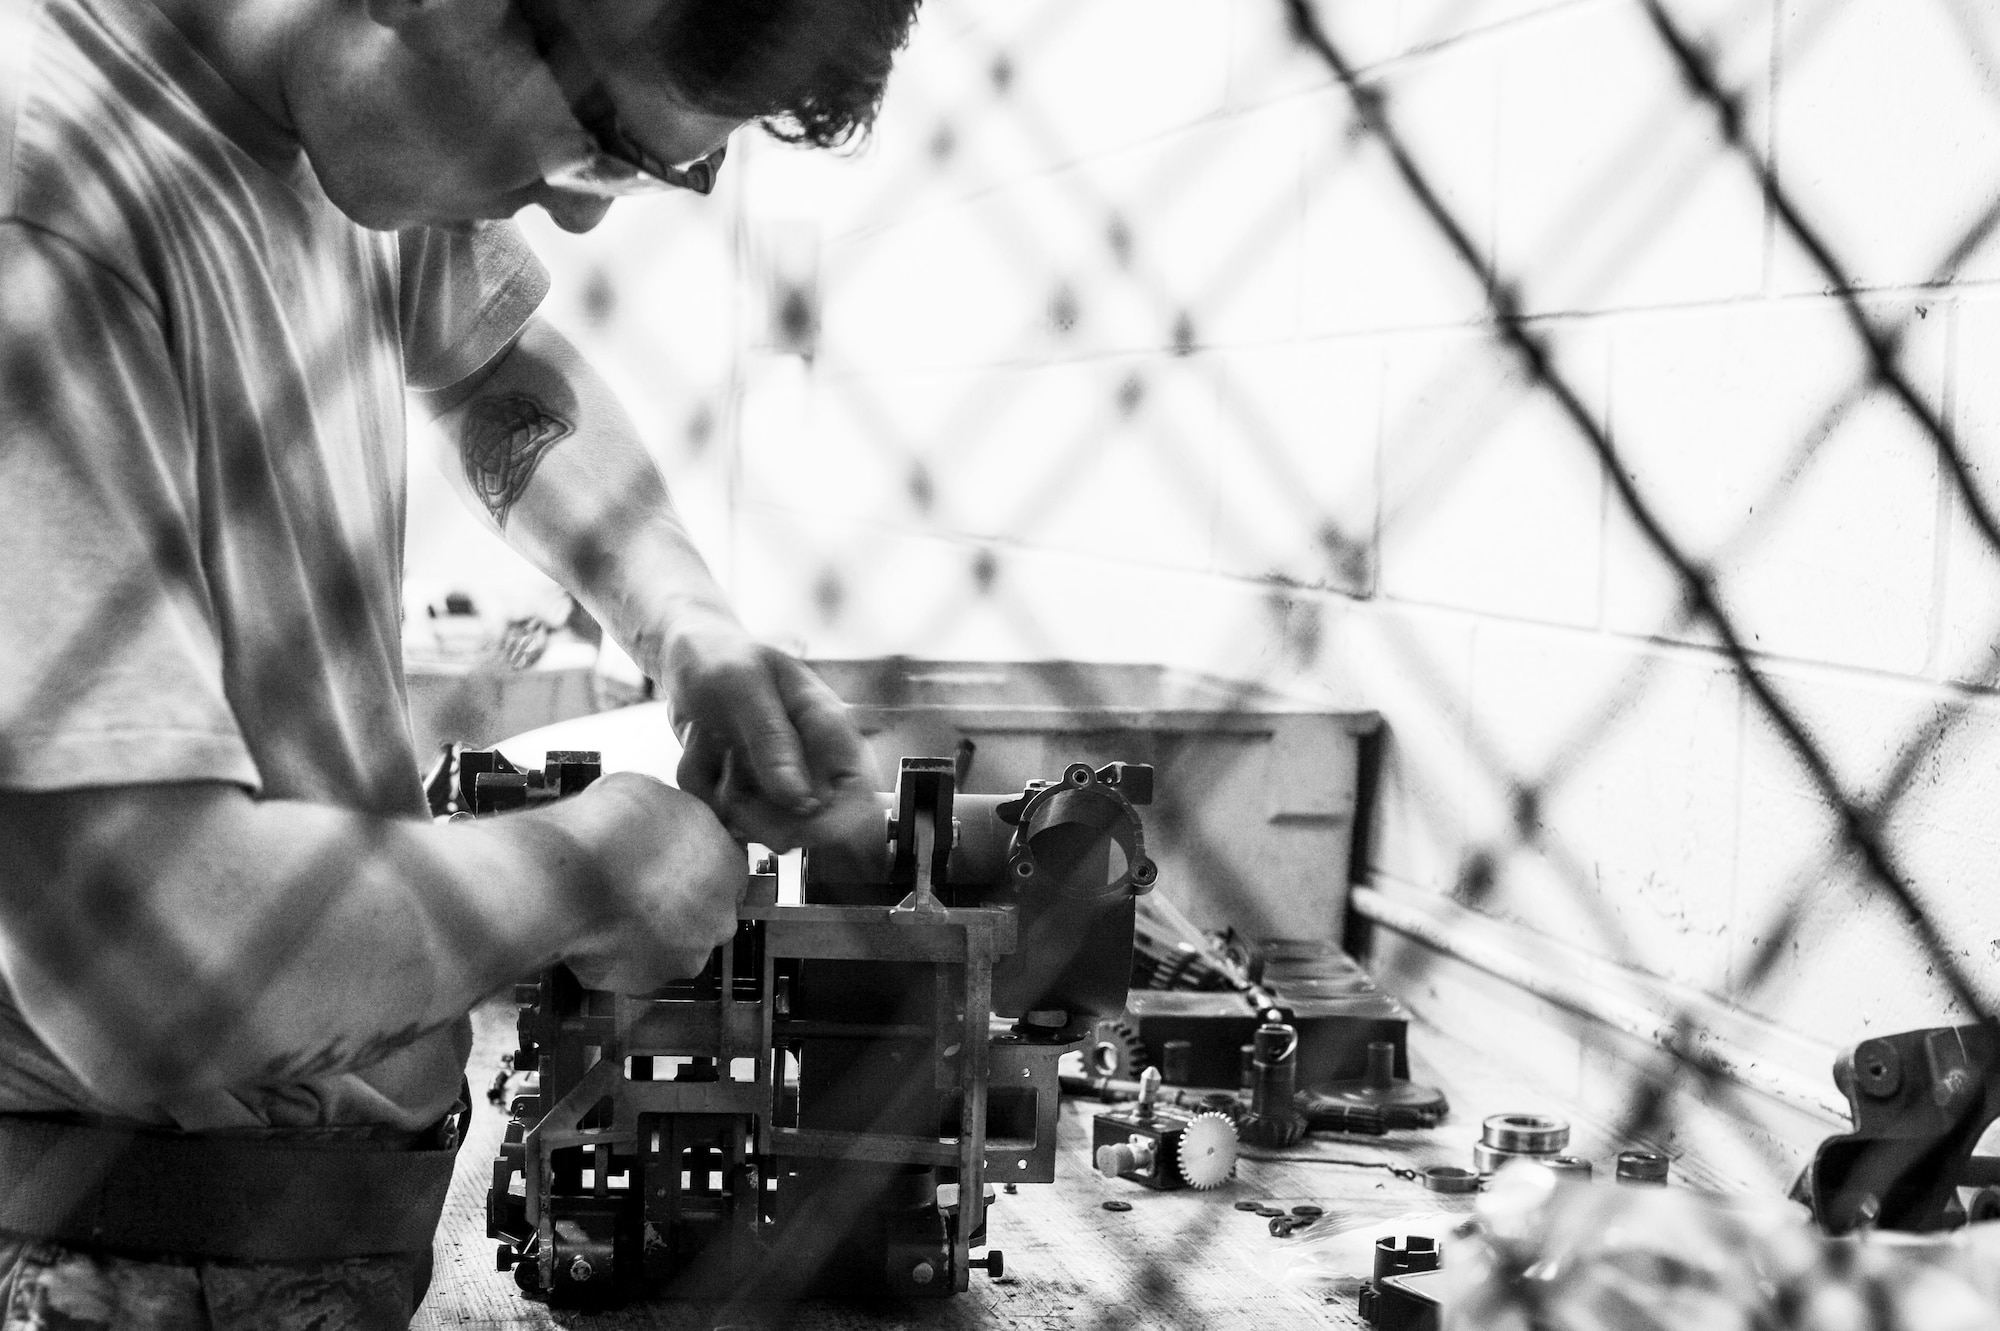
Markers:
768,745
703,764
835,753
851,816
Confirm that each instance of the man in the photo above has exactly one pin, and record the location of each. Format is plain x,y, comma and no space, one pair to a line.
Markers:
237,957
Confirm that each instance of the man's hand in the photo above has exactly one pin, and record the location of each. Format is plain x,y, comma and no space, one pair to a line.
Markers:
542,450
668,879
766,743
167,940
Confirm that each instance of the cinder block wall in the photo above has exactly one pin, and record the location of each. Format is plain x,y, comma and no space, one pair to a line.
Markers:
1127,339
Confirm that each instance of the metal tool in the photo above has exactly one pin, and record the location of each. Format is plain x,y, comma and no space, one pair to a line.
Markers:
823,1108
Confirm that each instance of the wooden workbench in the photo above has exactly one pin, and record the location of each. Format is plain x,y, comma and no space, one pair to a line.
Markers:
1175,1260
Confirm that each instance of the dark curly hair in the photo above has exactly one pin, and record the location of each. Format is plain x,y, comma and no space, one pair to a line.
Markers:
809,71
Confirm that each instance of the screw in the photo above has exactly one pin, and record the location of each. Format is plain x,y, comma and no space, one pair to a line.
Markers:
923,1273
581,1270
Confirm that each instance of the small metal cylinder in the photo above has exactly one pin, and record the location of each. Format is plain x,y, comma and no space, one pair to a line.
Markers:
1642,1169
1569,1166
1275,1066
1525,1134
1177,1061
1450,1178
1490,1159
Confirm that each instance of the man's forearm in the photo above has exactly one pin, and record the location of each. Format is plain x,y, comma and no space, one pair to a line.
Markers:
552,460
545,451
166,939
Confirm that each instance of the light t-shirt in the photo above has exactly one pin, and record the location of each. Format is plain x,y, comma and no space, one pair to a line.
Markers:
202,367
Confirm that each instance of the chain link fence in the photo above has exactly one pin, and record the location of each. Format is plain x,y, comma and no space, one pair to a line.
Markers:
1094,340
1067,367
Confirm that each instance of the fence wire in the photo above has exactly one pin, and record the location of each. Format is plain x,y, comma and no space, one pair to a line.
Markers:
1125,275
1129,268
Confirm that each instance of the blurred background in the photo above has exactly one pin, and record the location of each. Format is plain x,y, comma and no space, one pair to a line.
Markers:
1603,392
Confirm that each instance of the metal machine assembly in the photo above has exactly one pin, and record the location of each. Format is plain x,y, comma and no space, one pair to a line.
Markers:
824,1108
1921,1101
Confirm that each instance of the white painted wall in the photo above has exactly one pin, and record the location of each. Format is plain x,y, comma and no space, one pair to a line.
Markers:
1343,484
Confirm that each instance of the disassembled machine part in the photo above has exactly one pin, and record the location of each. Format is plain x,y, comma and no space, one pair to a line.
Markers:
1273,1119
824,1108
1509,1137
1642,1169
1327,997
1450,1179
1569,1166
1399,1297
1117,1052
1920,1102
1525,1134
1400,1103
1163,1148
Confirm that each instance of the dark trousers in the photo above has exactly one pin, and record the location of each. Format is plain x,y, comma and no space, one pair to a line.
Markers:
46,1286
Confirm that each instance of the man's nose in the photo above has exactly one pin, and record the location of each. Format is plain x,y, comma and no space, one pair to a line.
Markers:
576,213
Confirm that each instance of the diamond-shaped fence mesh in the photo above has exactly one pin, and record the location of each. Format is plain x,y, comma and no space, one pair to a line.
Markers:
1306,366
1489,365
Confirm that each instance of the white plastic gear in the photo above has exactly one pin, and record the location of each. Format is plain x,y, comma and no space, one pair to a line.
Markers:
1208,1151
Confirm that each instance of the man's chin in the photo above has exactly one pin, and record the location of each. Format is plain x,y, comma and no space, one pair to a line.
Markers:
378,210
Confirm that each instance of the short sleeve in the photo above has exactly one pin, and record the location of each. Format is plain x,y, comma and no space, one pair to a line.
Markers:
110,662
465,295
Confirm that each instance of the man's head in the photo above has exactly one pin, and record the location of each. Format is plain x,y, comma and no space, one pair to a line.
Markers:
444,110
811,71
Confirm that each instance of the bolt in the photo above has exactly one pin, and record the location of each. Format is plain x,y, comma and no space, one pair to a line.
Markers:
581,1270
923,1273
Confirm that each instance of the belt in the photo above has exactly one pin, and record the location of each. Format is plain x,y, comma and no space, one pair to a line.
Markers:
251,1199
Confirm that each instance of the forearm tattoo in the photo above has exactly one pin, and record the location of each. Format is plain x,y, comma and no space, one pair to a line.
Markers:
502,442
343,1054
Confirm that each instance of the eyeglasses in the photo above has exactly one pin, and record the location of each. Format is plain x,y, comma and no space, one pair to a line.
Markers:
620,165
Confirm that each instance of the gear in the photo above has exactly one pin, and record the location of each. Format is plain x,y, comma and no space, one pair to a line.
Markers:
1208,1151
1117,1050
